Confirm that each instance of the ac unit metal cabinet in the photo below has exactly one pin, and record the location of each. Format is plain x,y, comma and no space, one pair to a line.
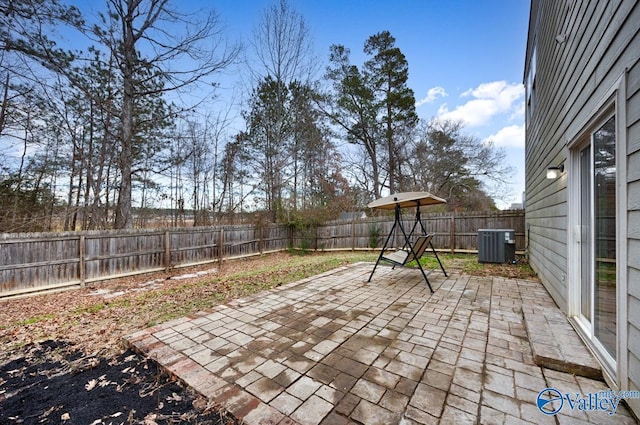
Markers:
496,245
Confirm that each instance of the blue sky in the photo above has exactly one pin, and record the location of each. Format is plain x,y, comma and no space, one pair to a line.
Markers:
465,58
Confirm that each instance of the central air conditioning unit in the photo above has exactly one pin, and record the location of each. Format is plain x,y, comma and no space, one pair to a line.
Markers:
496,246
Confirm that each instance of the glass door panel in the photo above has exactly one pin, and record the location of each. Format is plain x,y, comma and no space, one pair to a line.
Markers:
604,163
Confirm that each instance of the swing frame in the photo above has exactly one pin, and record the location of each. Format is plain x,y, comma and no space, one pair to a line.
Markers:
411,199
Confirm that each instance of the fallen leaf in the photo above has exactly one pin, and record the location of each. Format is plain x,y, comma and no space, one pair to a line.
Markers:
91,385
174,397
150,419
65,417
104,383
199,403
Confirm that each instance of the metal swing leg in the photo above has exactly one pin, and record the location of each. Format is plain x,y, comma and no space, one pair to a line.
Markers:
433,249
383,249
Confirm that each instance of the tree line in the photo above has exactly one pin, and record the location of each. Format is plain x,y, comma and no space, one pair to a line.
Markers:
131,121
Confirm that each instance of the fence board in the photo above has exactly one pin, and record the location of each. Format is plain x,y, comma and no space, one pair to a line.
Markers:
38,261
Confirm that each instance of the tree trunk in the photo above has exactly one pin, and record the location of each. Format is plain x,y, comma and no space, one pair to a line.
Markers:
124,216
391,148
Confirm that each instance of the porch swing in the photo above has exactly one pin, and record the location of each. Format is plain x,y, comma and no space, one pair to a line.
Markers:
409,251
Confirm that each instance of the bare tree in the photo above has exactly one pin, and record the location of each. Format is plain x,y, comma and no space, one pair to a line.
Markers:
216,131
153,60
283,46
284,63
234,175
456,166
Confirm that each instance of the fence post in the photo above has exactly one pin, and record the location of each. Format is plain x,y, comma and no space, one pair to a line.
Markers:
221,246
353,233
261,240
81,265
167,251
290,232
315,237
452,234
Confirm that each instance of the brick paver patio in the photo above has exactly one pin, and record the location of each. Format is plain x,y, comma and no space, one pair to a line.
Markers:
335,349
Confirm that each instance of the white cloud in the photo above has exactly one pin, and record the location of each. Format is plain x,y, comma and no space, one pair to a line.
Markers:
518,112
487,101
432,95
508,137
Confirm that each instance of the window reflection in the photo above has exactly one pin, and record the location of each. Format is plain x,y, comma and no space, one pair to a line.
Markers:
604,157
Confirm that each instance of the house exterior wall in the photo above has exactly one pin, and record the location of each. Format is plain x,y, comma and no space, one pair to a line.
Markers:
577,53
633,227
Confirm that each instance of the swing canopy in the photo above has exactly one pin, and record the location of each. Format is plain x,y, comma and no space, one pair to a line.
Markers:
406,200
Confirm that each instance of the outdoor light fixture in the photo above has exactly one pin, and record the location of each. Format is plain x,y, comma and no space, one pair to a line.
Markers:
554,172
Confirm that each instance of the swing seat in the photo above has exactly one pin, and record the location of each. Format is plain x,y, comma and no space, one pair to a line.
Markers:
403,256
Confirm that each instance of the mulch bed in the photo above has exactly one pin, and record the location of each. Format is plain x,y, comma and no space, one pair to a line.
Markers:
53,382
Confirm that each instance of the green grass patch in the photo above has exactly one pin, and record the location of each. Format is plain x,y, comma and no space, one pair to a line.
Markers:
122,303
89,309
36,319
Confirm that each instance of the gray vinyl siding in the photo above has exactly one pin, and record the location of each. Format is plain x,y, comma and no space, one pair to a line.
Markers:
572,79
633,226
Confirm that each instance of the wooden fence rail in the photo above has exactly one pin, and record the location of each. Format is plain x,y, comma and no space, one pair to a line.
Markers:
43,261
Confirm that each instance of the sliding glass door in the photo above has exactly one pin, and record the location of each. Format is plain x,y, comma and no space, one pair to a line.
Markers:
597,181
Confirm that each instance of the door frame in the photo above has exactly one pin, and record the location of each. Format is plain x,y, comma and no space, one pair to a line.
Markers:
613,102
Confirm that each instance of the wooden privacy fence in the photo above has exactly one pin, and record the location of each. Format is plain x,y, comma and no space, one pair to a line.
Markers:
43,261
452,232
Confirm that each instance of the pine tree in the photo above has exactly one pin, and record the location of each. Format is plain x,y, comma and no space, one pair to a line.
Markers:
374,107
